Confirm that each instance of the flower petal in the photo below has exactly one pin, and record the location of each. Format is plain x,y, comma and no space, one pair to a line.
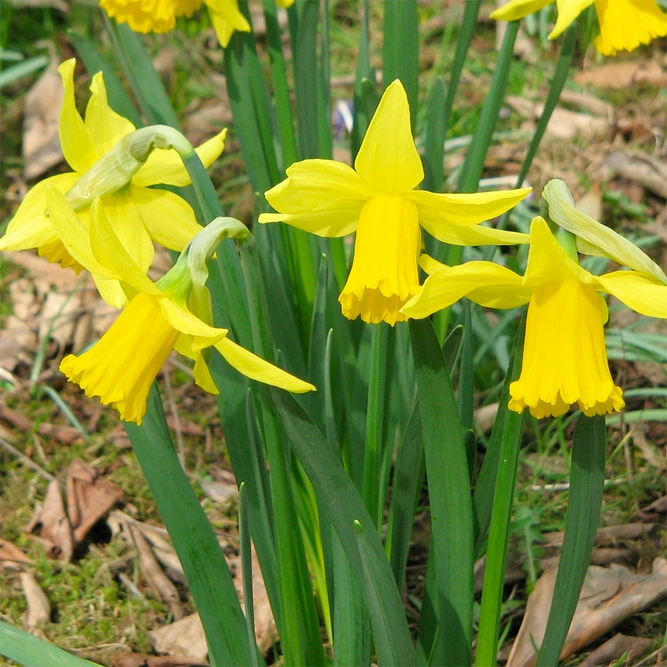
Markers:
106,127
125,220
610,244
313,184
517,9
258,369
169,219
547,259
31,227
388,159
112,253
625,24
636,291
184,321
439,212
76,141
337,219
73,235
166,167
478,235
111,291
568,11
485,283
226,18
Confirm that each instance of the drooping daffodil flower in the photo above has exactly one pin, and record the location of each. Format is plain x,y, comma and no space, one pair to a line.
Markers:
138,213
564,357
159,318
624,24
378,200
161,16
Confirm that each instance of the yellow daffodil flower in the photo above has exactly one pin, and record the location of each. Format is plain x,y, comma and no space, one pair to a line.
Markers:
122,365
624,24
564,358
138,213
160,16
378,200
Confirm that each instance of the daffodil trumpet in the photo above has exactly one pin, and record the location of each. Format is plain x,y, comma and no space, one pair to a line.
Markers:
122,365
564,358
624,24
379,201
104,150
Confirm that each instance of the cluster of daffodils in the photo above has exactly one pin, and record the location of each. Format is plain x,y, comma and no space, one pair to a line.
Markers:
624,24
565,360
161,15
104,218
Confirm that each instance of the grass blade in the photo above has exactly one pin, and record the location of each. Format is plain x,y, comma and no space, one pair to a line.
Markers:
581,522
449,493
195,542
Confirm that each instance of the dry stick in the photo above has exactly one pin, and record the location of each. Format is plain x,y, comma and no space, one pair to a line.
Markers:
25,460
180,449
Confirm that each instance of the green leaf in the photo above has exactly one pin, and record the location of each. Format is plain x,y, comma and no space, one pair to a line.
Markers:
449,494
31,651
342,502
25,68
400,49
193,538
436,130
581,523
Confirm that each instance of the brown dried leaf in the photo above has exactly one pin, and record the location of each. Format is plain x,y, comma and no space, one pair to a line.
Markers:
614,648
11,556
89,497
39,609
56,528
609,596
126,659
43,270
58,317
41,112
623,75
10,349
184,638
648,171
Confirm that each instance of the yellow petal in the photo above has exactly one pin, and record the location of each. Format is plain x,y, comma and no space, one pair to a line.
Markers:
203,376
166,167
73,235
258,369
564,358
609,244
485,283
517,9
315,184
625,24
126,223
121,367
184,321
547,259
479,235
568,11
338,219
110,252
106,127
78,145
157,16
384,269
226,18
636,291
168,218
439,212
31,226
388,160
111,292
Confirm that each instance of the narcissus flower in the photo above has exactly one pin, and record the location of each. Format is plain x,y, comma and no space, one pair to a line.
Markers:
161,15
564,358
378,200
122,365
138,213
624,24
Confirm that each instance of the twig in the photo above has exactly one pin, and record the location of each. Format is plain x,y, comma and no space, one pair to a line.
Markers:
25,460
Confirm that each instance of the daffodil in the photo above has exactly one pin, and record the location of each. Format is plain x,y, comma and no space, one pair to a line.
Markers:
161,15
564,358
378,200
138,213
624,24
122,365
